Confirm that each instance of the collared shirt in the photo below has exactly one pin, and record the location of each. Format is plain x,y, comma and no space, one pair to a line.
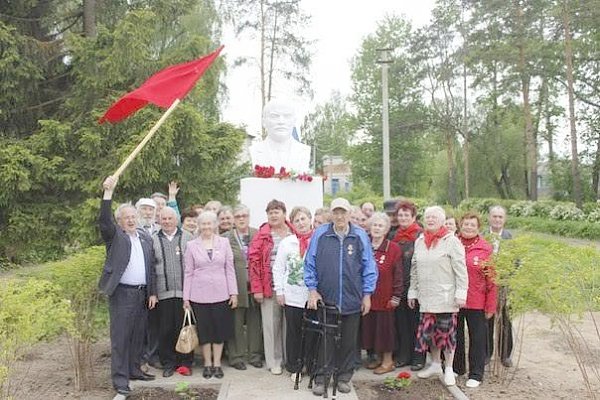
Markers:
135,273
170,237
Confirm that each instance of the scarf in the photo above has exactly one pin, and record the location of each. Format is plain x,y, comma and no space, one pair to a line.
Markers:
304,239
407,235
468,242
431,238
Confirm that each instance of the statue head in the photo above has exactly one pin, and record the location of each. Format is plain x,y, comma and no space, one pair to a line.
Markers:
278,120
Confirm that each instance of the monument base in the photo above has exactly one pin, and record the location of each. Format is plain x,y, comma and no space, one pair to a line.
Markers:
256,193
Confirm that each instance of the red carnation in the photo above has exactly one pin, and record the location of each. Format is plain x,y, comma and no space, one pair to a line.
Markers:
404,375
309,178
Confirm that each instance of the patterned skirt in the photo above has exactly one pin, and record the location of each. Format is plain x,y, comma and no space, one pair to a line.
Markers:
436,330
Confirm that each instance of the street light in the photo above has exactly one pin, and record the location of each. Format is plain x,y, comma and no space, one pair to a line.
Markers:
384,57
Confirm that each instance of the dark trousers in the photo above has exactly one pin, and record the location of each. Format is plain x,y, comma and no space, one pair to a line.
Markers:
295,357
477,343
151,343
407,322
128,313
505,336
246,341
170,315
344,355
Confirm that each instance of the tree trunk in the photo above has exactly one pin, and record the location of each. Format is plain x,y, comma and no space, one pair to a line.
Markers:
89,18
263,88
465,121
451,170
596,168
272,54
577,193
530,139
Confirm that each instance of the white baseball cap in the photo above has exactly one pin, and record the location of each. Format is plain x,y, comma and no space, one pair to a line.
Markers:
340,202
145,202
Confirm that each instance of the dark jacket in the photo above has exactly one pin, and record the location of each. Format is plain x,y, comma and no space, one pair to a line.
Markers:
118,251
341,271
240,261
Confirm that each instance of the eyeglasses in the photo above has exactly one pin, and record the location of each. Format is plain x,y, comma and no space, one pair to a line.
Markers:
240,216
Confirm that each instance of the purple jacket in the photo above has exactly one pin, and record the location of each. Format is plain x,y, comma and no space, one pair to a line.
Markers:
209,280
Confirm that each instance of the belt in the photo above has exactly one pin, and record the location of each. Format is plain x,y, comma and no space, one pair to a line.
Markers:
137,287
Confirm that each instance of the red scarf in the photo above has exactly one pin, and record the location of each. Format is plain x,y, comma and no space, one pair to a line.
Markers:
407,235
431,238
468,242
304,239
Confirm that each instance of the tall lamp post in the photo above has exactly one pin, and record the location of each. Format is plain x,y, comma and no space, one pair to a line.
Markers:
384,58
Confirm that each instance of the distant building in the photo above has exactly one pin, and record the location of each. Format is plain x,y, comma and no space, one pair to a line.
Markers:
338,174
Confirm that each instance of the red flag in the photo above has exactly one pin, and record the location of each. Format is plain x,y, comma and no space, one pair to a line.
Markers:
162,88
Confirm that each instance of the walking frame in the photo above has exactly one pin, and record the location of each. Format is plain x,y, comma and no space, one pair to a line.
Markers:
320,323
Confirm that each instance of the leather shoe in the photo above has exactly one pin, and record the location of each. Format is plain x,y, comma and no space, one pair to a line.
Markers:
400,364
207,372
144,377
319,389
343,387
168,372
507,363
382,369
417,367
239,366
373,364
124,391
256,364
218,372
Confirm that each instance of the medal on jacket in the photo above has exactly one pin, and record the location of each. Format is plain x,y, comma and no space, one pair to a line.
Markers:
382,259
475,260
350,249
177,251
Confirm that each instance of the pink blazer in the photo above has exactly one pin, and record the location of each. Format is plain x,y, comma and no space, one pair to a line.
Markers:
209,280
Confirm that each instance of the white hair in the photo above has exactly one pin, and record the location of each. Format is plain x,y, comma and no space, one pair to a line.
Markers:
381,217
241,208
121,208
437,211
497,207
168,210
207,216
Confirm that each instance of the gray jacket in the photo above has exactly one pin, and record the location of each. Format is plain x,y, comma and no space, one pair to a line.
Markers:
168,263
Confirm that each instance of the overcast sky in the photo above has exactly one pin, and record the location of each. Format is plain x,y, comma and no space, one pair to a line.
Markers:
338,27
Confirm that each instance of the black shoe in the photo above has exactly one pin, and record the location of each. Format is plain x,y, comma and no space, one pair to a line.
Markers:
256,364
400,364
507,363
168,372
218,372
207,372
125,391
417,367
144,377
239,366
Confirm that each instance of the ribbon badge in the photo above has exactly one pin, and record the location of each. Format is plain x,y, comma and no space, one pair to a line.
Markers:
350,249
382,259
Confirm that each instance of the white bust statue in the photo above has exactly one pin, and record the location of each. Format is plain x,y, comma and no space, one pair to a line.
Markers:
280,149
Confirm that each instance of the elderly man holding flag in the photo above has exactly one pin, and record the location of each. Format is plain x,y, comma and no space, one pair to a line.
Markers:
129,277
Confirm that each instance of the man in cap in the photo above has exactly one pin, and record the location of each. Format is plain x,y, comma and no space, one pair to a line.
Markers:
340,270
389,207
146,215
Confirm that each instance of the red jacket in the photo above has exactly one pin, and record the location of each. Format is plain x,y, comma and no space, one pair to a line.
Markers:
389,282
482,293
259,260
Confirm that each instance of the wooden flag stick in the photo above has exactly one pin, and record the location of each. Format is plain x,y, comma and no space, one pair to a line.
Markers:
140,146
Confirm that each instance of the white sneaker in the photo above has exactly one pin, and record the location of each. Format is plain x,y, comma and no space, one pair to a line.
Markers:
472,383
433,370
293,377
449,378
276,371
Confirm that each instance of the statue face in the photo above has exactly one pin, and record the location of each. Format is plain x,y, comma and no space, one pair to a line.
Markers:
278,120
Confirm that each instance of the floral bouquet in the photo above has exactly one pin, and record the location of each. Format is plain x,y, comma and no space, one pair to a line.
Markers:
402,380
269,172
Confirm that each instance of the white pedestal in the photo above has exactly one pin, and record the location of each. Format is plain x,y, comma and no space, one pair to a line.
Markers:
256,193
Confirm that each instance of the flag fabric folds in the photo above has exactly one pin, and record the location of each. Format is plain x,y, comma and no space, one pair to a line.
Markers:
161,89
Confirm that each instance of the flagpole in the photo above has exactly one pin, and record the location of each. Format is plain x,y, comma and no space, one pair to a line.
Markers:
141,145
